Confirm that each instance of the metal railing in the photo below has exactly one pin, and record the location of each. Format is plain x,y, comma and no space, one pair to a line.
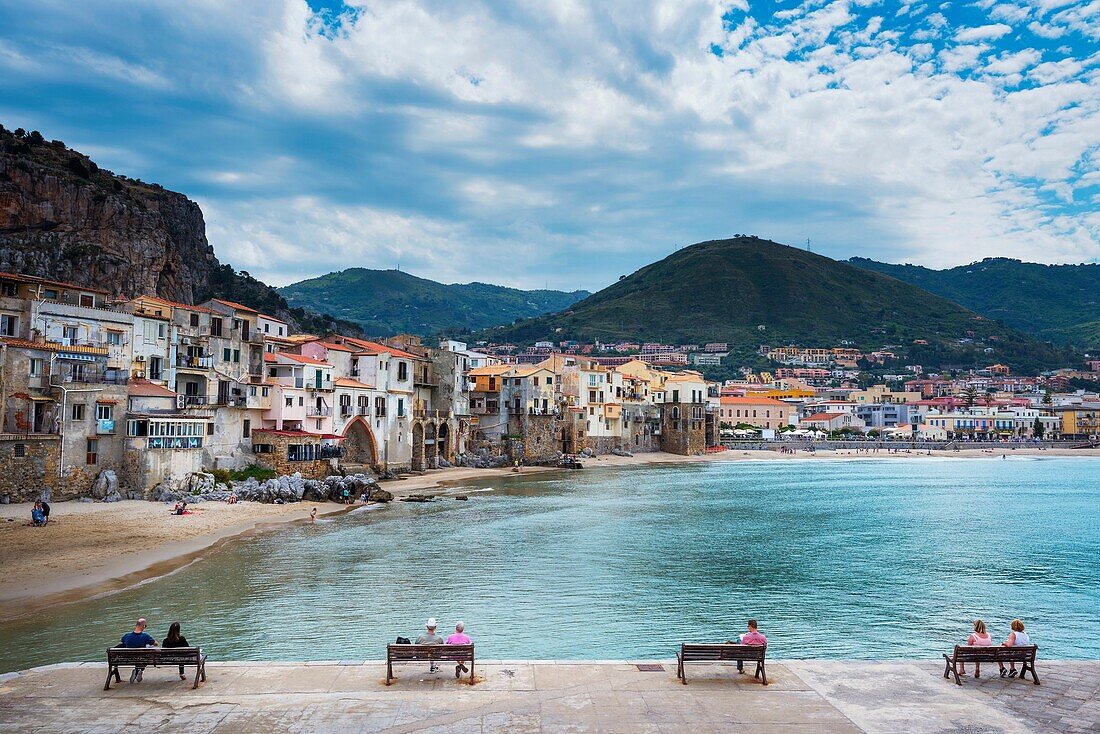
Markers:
318,411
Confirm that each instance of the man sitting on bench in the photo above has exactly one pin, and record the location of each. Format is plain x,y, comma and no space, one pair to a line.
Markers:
138,638
752,637
429,637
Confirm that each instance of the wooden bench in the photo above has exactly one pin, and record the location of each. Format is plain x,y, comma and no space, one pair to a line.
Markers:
1024,655
719,654
428,654
146,657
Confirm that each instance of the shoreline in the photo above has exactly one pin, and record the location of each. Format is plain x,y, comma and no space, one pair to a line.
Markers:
118,546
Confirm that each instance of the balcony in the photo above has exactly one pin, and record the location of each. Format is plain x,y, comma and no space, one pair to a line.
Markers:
188,362
318,411
197,401
89,378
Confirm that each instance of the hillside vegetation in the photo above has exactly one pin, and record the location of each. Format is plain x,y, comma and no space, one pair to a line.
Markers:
749,292
1055,302
390,301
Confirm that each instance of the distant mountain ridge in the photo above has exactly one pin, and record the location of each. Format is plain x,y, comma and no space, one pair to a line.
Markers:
392,301
749,292
1056,302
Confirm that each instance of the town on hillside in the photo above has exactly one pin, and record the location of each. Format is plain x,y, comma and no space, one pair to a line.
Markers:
154,390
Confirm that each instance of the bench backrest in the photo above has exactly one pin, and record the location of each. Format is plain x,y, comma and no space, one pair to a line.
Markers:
153,655
995,654
690,652
430,652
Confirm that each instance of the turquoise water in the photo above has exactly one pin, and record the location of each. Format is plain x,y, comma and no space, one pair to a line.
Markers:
867,559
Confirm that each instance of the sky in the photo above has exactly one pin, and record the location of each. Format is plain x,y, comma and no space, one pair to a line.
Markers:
566,143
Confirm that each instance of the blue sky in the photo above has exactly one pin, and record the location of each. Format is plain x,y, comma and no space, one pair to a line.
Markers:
568,143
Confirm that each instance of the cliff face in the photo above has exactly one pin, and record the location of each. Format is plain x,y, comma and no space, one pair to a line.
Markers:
62,217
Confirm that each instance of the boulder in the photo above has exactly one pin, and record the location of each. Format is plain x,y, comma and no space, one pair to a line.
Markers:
380,495
443,463
620,452
113,497
105,484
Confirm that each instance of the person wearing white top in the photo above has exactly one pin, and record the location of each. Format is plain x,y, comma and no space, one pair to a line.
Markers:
1016,638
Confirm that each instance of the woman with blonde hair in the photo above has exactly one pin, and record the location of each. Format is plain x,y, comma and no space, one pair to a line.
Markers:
978,638
1016,638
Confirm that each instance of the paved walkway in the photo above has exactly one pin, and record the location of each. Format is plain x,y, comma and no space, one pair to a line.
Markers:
821,697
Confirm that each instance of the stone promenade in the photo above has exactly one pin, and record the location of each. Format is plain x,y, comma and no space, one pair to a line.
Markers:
817,697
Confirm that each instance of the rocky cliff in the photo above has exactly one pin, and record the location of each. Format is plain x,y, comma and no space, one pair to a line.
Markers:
63,217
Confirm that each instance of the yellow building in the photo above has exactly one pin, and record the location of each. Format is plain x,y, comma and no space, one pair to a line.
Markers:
1080,420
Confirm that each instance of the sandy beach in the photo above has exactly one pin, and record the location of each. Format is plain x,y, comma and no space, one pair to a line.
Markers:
96,548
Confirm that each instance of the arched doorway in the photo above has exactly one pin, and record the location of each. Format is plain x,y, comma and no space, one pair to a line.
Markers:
431,448
359,445
443,441
418,447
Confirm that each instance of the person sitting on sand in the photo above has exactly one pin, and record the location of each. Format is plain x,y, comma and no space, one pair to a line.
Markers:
175,639
978,638
752,637
429,637
45,511
459,638
38,517
1016,638
138,638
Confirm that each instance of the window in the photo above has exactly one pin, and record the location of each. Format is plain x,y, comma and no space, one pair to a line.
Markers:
19,450
290,402
87,300
237,356
104,412
262,448
549,380
114,338
402,371
226,354
162,331
36,367
50,294
263,392
8,289
194,320
137,428
9,325
78,412
675,396
267,328
215,327
69,333
400,407
301,401
155,367
209,429
93,452
536,381
280,331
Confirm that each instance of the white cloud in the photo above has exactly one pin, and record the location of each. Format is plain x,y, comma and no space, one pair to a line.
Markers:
982,33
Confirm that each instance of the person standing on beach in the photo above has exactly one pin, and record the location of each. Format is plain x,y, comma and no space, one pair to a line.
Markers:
138,638
429,637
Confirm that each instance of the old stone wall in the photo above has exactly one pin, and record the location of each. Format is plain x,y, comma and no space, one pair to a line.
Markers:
23,478
539,437
683,428
277,458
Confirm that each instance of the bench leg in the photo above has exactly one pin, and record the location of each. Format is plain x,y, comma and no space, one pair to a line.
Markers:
198,672
111,672
762,673
389,671
949,668
471,671
1029,667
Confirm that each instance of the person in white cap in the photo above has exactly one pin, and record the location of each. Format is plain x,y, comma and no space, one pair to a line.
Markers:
429,637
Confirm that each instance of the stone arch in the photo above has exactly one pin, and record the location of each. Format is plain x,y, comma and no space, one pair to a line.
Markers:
418,446
431,445
443,440
360,446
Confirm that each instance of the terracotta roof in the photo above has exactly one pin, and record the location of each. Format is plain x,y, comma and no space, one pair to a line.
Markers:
44,346
823,417
735,400
269,357
142,388
302,358
528,371
379,347
272,318
491,370
348,382
334,347
234,305
44,281
176,304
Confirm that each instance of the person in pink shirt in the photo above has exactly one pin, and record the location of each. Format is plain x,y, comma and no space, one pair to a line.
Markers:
752,637
978,638
459,638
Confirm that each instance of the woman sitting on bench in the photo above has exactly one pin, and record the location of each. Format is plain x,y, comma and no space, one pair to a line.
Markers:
1016,638
175,639
978,638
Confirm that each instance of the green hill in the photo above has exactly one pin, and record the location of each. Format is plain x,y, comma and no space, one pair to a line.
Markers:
1056,302
750,292
390,302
